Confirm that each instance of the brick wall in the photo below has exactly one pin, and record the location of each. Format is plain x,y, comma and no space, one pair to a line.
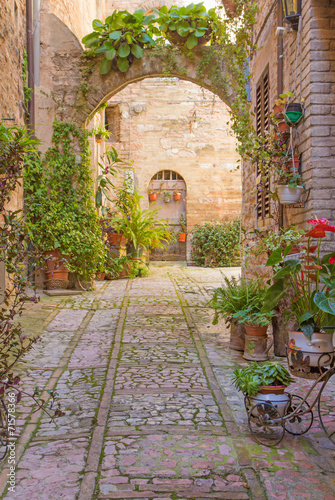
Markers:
314,138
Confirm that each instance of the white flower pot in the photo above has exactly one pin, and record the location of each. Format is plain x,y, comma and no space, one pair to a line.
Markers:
288,196
312,348
279,401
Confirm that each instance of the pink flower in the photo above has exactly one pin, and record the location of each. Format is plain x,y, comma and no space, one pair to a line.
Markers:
332,260
318,221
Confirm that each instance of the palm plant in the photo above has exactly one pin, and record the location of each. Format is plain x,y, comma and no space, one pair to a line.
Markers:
143,228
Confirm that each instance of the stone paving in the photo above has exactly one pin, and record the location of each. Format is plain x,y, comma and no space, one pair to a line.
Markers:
145,381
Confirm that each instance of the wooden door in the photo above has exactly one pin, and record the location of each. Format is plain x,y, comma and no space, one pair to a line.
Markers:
164,183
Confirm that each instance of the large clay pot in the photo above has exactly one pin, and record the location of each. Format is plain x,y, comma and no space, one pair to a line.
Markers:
289,196
58,274
256,348
100,276
53,260
304,354
117,239
256,331
237,333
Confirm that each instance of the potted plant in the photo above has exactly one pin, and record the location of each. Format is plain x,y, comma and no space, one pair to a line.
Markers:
254,320
264,383
191,25
288,187
176,195
152,194
233,296
101,133
312,279
121,38
167,196
182,235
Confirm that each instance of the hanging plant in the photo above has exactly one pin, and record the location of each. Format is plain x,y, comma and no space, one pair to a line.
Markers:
121,38
191,25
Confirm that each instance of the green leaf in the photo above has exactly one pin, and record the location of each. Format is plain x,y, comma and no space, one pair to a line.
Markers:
292,266
200,32
287,250
105,66
124,51
115,35
192,41
305,317
274,294
307,329
137,51
275,257
97,24
99,50
89,39
324,303
110,54
123,64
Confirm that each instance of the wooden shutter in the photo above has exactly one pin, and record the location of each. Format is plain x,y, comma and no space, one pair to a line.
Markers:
262,126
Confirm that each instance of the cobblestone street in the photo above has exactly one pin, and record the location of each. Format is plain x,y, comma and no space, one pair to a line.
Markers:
145,381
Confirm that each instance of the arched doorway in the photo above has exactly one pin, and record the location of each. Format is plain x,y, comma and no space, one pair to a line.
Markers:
167,183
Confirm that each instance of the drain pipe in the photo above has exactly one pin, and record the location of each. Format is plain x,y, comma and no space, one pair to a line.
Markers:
30,57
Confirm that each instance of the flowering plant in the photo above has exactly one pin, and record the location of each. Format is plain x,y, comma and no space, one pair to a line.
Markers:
312,278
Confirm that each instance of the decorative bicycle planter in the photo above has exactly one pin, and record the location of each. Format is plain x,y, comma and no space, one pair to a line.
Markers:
269,417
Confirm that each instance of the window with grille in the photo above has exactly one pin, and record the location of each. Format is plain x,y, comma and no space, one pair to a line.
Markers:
167,175
262,126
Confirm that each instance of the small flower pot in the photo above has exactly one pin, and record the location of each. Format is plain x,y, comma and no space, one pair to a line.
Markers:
283,127
182,237
288,195
152,196
117,239
256,331
100,276
98,138
177,196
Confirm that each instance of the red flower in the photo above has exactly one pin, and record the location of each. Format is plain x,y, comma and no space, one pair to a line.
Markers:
332,260
316,232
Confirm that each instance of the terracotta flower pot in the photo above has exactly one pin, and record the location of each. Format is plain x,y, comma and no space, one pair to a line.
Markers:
256,331
177,196
57,275
53,260
117,239
283,127
272,389
182,237
294,168
100,276
278,108
152,196
98,138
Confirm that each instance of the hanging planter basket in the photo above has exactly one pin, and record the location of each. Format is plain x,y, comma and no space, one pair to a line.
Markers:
288,195
293,113
99,138
177,196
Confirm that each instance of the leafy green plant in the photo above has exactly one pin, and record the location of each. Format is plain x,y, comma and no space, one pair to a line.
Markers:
187,25
251,378
235,295
121,38
101,132
250,316
59,209
182,222
312,279
167,196
216,244
143,228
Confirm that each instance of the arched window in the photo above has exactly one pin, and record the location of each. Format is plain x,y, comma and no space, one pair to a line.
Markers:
167,175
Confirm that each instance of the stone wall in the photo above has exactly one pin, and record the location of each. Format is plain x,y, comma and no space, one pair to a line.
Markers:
314,137
169,124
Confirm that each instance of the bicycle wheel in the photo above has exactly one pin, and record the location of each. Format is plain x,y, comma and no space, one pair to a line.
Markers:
266,424
301,421
326,417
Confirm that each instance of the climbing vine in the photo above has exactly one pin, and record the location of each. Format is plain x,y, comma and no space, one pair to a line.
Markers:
59,195
27,91
124,36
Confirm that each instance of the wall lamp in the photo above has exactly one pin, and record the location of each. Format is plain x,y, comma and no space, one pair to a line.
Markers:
292,12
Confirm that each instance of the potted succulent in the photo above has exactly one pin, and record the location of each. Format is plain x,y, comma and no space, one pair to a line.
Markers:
312,279
189,25
182,235
264,383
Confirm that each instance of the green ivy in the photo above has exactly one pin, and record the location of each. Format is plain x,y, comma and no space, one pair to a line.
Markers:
216,244
59,201
27,91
